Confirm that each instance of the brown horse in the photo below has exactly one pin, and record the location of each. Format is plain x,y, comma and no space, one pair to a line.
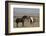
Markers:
21,20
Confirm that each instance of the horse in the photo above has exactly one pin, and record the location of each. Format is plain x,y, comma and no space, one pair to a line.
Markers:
31,19
21,20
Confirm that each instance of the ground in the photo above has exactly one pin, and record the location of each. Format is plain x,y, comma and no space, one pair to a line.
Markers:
27,24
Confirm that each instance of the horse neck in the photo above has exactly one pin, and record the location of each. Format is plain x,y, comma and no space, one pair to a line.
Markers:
23,18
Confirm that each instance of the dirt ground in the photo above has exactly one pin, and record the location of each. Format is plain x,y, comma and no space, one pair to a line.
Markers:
27,24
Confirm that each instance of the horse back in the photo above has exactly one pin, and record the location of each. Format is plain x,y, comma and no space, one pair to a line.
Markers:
19,20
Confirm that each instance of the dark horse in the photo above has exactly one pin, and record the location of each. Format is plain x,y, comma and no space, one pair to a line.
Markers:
21,20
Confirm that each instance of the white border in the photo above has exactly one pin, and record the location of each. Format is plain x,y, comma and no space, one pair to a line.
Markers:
29,29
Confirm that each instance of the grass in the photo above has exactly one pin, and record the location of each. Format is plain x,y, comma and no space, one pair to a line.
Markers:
26,23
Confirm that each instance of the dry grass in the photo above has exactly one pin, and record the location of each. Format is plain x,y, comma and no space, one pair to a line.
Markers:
27,24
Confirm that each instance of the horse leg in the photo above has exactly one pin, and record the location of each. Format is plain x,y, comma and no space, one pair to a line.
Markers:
17,25
22,23
28,20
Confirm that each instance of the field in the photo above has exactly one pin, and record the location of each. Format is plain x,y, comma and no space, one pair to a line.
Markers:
26,23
